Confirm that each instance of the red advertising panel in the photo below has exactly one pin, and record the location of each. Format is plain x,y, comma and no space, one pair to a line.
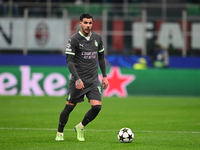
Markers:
118,37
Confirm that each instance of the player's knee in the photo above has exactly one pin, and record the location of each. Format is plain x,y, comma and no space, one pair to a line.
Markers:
96,108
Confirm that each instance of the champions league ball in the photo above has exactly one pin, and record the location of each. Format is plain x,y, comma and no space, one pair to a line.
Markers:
125,135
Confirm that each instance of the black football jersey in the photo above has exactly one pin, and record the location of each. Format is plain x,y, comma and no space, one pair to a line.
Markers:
85,51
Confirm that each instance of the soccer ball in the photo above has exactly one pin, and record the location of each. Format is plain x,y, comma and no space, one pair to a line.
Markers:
125,135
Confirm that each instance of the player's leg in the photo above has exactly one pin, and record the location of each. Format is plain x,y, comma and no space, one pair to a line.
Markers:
93,112
64,115
89,116
94,97
74,96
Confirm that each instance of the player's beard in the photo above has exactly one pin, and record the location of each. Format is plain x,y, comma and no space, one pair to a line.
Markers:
86,31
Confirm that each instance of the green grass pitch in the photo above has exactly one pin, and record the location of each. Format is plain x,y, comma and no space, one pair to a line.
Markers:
159,123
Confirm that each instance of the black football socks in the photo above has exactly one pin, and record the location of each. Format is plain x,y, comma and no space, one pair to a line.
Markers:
91,114
64,115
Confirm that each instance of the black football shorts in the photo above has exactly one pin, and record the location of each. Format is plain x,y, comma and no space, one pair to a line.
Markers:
92,91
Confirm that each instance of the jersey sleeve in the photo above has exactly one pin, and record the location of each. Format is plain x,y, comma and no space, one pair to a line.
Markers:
70,48
102,63
70,52
101,47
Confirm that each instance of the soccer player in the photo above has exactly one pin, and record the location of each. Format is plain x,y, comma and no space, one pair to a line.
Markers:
84,52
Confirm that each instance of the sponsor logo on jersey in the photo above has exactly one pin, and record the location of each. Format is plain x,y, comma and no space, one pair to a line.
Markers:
89,55
81,45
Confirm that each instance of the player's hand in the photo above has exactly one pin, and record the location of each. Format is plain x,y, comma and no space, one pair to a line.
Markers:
104,83
79,84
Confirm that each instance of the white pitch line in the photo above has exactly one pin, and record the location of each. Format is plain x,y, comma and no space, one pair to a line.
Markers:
147,131
172,131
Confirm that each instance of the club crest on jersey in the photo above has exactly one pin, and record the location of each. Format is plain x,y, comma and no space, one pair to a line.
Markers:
95,43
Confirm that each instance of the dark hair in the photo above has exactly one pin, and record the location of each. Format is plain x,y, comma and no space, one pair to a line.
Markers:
86,15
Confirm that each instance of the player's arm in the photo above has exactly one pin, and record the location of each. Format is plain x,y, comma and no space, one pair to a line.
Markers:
70,52
102,65
70,63
71,67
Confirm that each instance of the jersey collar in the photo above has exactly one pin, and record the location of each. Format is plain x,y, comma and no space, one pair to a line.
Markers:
85,36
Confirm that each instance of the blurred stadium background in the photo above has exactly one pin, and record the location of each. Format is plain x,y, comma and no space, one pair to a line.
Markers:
152,46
